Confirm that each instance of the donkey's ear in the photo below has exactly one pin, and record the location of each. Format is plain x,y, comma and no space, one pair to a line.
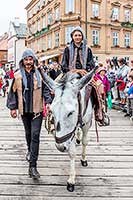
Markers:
47,80
85,79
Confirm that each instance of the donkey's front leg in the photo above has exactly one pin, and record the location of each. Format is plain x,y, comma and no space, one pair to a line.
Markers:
72,155
84,145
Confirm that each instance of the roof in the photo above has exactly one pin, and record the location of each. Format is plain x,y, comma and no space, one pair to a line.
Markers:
21,29
3,42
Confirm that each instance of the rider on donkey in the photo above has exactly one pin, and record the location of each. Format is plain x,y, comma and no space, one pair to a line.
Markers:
78,57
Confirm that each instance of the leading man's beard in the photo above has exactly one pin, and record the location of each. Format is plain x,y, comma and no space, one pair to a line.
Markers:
29,66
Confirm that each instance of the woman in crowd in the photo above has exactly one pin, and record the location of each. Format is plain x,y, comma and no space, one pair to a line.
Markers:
104,86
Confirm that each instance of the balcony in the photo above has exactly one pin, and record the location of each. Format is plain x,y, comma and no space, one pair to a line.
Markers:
95,18
128,47
127,24
96,46
44,30
115,20
116,46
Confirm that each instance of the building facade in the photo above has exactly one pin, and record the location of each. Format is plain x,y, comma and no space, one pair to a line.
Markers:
3,49
108,26
16,41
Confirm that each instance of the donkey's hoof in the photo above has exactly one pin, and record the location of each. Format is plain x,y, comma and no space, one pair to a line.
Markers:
77,141
84,163
70,187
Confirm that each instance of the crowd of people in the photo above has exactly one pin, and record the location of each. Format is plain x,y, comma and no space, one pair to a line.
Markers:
28,94
120,76
5,78
114,79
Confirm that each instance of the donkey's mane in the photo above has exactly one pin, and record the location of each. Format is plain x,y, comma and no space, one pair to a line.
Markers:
68,77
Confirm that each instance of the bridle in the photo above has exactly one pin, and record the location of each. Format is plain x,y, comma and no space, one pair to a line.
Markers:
71,135
66,137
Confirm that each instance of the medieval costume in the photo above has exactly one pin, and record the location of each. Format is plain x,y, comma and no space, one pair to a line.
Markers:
77,56
27,94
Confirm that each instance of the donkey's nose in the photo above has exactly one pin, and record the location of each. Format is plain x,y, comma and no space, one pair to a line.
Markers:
58,126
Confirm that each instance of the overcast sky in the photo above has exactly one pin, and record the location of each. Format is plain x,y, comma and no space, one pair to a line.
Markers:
9,10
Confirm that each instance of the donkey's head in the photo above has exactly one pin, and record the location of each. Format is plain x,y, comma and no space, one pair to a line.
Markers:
65,108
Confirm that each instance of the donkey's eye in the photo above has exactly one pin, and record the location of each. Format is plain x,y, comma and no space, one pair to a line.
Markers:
69,114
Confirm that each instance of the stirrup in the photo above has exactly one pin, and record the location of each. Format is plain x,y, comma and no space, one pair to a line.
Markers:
106,120
100,123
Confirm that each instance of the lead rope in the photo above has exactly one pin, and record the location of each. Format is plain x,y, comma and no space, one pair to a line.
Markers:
48,123
96,131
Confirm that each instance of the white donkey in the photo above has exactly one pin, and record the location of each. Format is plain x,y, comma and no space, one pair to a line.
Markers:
66,108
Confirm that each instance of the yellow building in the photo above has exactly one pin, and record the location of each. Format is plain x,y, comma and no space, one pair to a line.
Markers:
107,24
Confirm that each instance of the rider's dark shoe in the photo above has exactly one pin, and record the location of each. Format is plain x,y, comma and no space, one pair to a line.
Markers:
33,173
28,156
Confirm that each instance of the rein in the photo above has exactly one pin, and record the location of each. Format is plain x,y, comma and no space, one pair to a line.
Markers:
64,138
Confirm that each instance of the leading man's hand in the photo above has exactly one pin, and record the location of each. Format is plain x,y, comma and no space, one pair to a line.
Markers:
13,113
47,108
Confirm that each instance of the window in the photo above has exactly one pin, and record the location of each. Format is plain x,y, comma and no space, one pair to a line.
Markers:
127,39
56,39
69,6
29,29
127,15
96,59
38,25
115,38
34,27
34,10
127,60
68,31
49,42
29,14
50,18
95,37
57,13
44,44
38,6
42,2
115,14
41,43
95,10
44,21
38,45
